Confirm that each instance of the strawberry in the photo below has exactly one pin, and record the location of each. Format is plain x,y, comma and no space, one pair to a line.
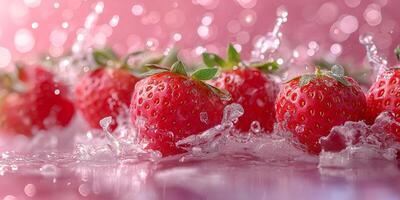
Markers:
248,86
310,105
33,100
169,106
105,91
384,95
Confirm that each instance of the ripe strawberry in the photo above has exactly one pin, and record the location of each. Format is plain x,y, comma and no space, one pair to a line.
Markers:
310,105
33,100
107,90
248,86
104,92
169,106
384,95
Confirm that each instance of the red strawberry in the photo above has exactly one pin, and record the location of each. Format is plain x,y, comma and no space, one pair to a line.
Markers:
310,105
104,92
384,95
38,103
169,106
248,86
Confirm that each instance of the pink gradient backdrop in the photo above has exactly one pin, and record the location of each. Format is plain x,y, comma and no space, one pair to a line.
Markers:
237,21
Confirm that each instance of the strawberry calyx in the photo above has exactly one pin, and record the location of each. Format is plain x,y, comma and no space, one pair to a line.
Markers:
233,60
397,52
202,74
336,72
106,57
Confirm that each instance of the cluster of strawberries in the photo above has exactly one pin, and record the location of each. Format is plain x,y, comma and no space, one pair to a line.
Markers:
168,104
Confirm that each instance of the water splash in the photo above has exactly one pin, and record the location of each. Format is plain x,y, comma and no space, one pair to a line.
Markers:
113,143
268,44
70,67
355,144
378,63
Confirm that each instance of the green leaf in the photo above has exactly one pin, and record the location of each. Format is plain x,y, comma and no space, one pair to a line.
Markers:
205,73
233,55
131,55
155,66
170,58
212,60
103,56
223,94
306,79
267,67
178,68
152,72
397,52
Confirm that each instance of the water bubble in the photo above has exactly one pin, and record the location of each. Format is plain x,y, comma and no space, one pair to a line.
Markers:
24,40
65,25
137,10
114,21
336,49
337,70
84,189
348,24
35,25
99,7
30,190
255,127
299,128
204,117
373,15
56,5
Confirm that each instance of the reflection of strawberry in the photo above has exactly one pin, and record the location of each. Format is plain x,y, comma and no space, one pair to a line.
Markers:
384,95
248,86
169,106
310,105
33,102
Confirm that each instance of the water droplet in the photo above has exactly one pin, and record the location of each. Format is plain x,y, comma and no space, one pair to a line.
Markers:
114,21
255,127
204,117
338,70
299,129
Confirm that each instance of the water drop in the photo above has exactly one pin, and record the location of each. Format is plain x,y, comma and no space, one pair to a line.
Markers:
337,70
204,117
255,127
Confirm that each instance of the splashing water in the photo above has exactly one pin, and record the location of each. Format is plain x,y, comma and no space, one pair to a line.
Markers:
268,44
378,63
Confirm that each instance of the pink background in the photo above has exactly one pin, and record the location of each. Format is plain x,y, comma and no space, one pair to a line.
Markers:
30,27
